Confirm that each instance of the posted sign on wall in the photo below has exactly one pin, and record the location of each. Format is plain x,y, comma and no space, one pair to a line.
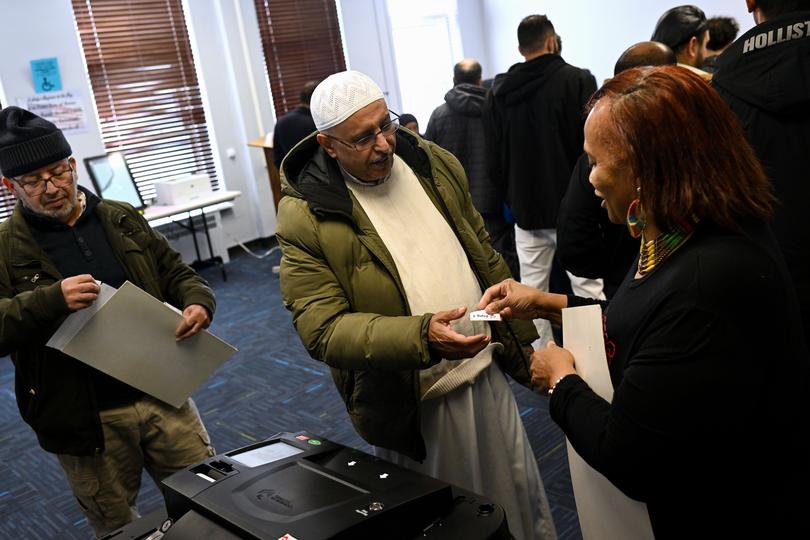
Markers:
45,74
65,109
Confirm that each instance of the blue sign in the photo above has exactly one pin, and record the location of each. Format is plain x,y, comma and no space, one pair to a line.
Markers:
45,73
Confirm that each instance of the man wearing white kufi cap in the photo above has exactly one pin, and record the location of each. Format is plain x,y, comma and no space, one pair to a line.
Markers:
383,255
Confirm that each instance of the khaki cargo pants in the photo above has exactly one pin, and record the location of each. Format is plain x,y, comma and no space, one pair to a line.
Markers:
146,434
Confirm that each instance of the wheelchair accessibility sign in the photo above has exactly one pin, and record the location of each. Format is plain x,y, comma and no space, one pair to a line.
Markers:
45,73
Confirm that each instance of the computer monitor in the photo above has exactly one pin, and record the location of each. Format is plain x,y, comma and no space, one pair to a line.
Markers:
112,179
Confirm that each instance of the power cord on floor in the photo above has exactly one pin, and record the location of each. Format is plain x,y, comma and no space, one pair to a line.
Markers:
267,253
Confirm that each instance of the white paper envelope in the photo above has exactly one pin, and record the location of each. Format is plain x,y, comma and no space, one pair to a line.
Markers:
605,513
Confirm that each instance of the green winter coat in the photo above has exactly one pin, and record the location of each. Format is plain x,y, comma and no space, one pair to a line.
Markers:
346,296
54,391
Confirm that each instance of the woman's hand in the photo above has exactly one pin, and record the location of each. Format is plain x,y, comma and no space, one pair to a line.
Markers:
549,364
510,299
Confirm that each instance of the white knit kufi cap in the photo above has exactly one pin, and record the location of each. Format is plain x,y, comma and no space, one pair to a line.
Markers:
341,95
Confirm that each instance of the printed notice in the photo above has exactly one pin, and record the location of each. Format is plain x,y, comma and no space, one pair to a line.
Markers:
65,109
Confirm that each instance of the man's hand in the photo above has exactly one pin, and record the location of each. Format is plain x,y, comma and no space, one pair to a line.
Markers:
447,343
80,291
195,318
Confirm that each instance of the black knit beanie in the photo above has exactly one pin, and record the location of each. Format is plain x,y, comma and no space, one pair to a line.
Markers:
28,142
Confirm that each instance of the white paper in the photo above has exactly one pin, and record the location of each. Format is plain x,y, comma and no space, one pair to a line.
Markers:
482,315
64,108
129,334
605,513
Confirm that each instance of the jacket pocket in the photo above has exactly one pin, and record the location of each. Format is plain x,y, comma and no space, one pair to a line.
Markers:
29,276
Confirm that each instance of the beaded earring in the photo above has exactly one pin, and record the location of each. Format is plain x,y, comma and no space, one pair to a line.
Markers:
635,216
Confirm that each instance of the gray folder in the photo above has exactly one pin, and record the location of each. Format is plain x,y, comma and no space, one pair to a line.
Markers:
129,334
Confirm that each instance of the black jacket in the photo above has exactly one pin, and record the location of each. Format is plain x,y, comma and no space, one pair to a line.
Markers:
533,122
588,244
456,126
765,78
291,129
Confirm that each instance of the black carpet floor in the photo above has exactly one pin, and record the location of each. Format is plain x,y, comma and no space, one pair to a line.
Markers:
270,385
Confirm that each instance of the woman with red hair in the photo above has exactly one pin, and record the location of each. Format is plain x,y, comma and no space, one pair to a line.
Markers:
710,411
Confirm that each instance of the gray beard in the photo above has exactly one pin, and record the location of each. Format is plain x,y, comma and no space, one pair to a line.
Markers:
60,214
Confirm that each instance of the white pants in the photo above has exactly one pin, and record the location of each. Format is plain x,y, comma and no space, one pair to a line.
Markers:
475,439
535,250
587,287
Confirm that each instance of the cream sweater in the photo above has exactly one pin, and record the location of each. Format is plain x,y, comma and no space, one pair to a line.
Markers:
432,266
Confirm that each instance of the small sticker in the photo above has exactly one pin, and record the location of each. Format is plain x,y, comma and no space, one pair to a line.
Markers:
287,536
383,476
351,463
302,437
482,315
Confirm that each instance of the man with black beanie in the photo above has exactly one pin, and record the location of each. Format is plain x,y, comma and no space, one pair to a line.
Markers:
55,248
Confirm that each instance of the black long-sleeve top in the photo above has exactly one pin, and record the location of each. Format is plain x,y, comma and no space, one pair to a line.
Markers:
710,408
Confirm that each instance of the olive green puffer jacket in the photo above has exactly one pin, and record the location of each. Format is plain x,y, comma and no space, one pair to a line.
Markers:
54,392
347,300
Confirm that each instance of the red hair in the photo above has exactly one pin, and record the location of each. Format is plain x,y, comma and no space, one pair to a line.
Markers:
685,148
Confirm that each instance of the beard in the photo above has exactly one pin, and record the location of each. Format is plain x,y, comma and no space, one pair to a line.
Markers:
60,214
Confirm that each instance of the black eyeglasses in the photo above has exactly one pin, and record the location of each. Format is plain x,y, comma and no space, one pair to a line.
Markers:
37,186
364,143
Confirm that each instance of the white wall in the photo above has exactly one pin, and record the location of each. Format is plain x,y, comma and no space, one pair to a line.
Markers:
230,65
53,35
366,31
236,110
475,40
594,34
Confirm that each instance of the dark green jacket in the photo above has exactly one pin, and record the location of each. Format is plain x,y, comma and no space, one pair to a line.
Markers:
54,391
346,296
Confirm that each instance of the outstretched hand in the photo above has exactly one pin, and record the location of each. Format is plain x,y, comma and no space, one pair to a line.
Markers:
445,342
511,299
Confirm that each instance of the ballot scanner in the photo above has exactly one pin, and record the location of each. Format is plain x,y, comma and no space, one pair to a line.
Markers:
297,486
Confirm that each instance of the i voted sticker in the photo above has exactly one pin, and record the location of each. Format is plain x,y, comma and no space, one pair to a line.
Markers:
482,315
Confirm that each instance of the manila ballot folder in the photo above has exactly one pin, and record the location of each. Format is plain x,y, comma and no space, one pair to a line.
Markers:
129,334
604,511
